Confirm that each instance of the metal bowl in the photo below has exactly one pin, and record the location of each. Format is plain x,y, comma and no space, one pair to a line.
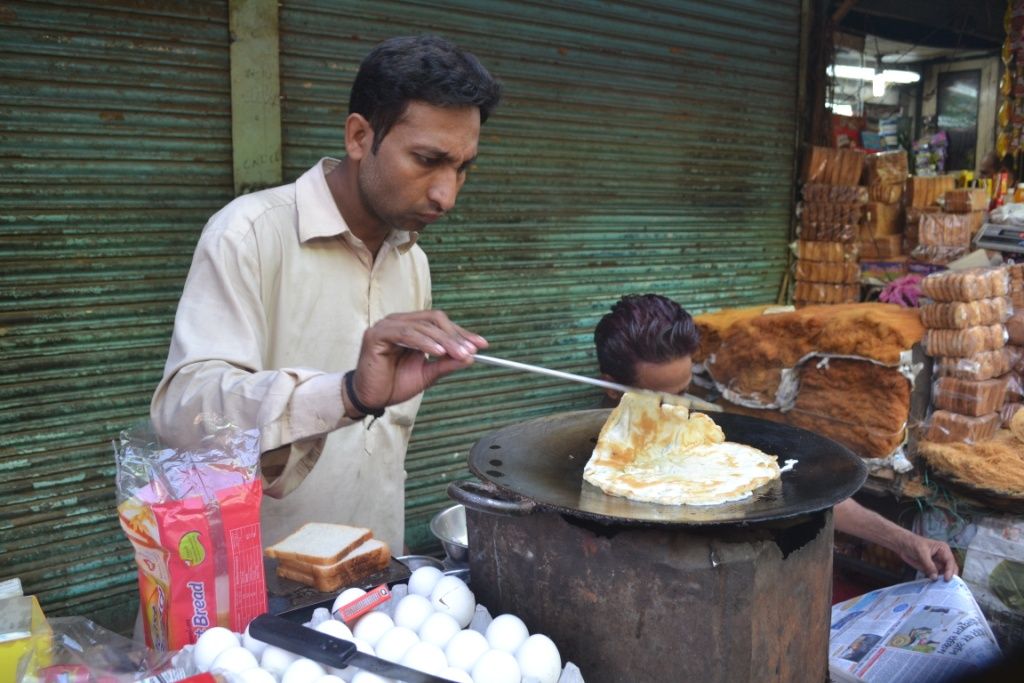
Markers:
414,562
449,526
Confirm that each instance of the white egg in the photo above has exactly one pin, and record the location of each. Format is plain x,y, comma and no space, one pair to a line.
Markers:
367,677
211,643
465,648
254,675
425,657
412,610
423,580
335,628
456,675
252,644
506,632
496,666
438,629
346,596
539,659
395,643
275,660
452,596
372,626
302,671
329,678
234,659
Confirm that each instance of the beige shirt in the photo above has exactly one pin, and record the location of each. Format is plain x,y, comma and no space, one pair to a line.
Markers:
273,312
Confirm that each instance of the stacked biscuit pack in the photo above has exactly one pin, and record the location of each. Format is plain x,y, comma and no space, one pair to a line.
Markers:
881,233
966,334
924,195
1015,345
830,216
939,235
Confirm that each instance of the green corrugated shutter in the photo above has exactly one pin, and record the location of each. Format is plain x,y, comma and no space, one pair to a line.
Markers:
115,147
641,147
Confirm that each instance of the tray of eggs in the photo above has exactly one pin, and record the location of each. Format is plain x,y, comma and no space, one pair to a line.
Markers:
431,622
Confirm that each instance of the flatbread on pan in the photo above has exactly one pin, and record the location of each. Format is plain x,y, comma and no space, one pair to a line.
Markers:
664,454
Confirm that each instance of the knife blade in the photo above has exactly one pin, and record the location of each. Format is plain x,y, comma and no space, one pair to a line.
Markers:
331,651
685,400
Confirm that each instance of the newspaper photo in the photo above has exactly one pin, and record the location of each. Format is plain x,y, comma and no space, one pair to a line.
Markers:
909,633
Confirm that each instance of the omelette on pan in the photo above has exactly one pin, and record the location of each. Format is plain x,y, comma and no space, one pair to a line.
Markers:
664,454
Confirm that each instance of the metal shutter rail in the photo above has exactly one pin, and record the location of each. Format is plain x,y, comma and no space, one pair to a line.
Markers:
115,149
641,146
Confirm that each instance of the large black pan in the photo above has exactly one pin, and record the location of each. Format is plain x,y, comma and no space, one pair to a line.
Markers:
541,462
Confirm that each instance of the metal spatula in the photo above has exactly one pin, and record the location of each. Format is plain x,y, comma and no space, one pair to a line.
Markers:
685,400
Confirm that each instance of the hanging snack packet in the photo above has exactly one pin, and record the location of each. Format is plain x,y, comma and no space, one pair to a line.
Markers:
193,517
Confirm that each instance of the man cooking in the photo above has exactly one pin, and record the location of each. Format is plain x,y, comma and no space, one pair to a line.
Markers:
307,309
647,342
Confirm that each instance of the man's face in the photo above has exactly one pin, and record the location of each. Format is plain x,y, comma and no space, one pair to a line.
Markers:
671,377
415,175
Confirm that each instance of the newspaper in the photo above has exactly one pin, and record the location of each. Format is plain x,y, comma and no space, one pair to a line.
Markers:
909,633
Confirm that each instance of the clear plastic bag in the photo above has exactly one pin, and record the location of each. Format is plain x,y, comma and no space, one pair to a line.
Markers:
193,517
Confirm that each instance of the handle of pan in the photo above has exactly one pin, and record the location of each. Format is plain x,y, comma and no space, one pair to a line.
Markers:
482,497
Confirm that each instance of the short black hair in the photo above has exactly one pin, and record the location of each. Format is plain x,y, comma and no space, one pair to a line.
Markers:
643,327
427,68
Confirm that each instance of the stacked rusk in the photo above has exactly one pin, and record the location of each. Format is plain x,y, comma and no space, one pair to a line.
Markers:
329,556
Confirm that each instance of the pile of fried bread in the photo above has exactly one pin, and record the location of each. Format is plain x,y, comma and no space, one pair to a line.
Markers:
665,454
329,556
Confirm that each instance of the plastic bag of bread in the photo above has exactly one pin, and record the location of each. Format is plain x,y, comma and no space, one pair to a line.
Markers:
937,254
984,365
824,293
960,314
886,167
946,427
966,285
969,396
965,200
820,192
1015,328
828,271
944,229
966,342
826,251
1014,387
1008,411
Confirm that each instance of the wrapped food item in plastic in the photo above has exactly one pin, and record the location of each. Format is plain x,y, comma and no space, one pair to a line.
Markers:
1007,412
966,199
831,212
1015,327
881,219
961,314
944,229
980,366
945,427
887,193
826,251
820,192
969,396
936,255
824,293
827,271
924,191
881,247
966,342
966,285
1016,272
193,518
886,167
832,166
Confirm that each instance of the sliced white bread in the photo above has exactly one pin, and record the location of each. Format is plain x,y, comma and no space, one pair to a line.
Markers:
319,543
370,557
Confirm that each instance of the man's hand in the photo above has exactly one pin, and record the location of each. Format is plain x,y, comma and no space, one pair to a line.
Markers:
393,364
927,555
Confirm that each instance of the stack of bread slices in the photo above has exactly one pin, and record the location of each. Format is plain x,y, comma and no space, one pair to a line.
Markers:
329,556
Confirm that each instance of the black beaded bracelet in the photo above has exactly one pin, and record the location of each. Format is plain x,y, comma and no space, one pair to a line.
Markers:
350,388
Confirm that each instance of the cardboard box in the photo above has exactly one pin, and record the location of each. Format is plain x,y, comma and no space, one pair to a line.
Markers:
884,247
881,219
